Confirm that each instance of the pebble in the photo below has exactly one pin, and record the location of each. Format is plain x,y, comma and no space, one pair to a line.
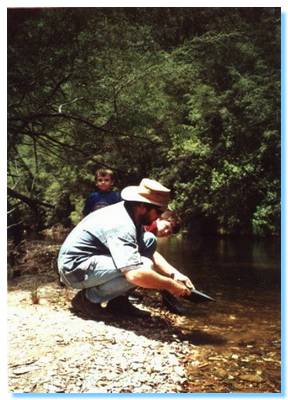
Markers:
251,378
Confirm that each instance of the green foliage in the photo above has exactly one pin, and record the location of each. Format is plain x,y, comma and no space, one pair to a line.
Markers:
228,149
188,96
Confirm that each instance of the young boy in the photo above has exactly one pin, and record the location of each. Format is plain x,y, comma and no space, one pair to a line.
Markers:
167,224
104,196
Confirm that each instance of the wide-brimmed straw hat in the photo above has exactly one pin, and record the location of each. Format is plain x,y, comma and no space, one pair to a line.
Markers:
149,191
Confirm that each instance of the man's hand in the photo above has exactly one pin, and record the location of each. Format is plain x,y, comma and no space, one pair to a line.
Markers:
178,288
183,278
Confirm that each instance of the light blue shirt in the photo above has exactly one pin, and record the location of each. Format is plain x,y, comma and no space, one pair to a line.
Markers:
108,231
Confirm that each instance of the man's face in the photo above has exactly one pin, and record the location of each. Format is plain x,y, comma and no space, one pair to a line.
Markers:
104,183
151,214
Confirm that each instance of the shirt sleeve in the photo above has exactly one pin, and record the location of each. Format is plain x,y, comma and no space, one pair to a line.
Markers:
86,207
115,197
124,251
118,197
92,199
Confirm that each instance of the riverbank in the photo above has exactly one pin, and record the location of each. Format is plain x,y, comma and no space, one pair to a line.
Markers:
63,352
216,349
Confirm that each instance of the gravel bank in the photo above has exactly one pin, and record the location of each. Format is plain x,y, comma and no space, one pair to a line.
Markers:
228,348
53,351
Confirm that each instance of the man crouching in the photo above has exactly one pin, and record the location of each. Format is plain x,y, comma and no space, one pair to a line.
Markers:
108,254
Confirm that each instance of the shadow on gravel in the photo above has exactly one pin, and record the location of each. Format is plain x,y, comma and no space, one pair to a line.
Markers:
153,326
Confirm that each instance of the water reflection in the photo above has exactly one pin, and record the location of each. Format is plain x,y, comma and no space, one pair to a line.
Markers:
210,261
243,275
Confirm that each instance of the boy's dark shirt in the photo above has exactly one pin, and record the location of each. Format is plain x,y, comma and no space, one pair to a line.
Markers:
100,199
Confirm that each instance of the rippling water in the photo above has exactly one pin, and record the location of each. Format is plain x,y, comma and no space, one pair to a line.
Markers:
216,262
244,277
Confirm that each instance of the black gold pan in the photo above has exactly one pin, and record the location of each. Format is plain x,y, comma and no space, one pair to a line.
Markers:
175,305
198,297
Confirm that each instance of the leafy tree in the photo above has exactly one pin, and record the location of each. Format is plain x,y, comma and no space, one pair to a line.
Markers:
230,92
189,96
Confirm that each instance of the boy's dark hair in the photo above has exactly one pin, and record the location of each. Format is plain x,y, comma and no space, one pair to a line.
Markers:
174,219
103,172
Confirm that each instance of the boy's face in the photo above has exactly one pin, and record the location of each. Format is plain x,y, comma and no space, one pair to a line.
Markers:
104,183
164,227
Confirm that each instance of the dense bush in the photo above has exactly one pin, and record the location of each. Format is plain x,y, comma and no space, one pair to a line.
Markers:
188,96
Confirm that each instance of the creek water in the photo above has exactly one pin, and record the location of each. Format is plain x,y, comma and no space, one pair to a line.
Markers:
216,263
239,335
243,275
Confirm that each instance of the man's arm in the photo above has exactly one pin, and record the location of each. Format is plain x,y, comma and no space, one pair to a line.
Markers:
163,267
148,278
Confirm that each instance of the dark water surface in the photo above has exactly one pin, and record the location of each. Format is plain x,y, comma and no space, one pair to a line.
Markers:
240,334
226,263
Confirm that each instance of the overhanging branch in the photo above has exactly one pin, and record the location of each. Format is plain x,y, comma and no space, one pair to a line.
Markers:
28,200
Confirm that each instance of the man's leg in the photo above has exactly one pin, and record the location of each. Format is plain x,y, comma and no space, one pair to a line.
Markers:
103,282
109,290
99,277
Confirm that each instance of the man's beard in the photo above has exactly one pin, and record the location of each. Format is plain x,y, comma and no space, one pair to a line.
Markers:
145,219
